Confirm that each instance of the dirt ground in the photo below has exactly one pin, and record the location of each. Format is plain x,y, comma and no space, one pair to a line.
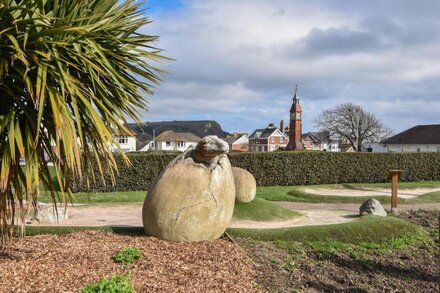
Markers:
413,269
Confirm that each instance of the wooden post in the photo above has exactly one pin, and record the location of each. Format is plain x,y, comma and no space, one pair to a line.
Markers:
394,175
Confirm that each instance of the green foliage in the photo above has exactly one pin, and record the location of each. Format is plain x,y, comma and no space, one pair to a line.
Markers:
127,255
308,168
287,168
290,266
139,175
115,284
71,73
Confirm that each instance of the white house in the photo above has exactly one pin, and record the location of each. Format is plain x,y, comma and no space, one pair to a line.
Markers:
421,138
127,143
174,141
238,142
319,141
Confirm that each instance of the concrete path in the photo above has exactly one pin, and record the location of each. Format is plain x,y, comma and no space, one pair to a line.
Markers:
313,214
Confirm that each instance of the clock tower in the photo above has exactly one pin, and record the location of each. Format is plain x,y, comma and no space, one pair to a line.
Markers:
295,126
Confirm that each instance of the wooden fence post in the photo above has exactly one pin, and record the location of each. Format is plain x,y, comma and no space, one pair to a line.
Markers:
394,176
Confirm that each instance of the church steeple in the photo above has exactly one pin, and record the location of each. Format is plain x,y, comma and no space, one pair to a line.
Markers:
295,126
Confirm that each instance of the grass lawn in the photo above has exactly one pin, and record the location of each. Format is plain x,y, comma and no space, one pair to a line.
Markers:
362,230
277,193
262,210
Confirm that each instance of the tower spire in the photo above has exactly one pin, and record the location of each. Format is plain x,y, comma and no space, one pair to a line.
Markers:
295,97
295,127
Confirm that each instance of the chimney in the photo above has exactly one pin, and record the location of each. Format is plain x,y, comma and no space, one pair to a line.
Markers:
282,126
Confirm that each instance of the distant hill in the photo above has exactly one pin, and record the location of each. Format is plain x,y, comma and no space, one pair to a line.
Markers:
199,128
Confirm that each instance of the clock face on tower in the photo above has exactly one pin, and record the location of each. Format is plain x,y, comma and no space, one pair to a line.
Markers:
295,116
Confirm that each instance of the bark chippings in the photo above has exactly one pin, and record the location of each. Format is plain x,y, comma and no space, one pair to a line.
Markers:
49,263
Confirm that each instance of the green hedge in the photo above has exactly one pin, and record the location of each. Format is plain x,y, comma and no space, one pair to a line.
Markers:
288,168
307,168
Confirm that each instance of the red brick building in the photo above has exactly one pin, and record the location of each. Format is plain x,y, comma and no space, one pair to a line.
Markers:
268,139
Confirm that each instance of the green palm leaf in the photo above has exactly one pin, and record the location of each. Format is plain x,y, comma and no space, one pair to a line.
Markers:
70,72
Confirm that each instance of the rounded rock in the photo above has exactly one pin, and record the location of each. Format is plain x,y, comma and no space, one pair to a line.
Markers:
190,202
245,185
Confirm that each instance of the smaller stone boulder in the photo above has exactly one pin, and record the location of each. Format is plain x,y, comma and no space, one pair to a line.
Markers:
372,206
245,185
47,214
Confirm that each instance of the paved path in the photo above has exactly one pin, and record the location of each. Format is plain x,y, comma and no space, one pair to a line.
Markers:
313,214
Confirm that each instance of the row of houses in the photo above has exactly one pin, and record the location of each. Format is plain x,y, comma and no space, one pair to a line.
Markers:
421,138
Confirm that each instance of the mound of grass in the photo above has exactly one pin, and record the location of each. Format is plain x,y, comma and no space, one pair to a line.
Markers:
366,229
127,255
262,210
116,283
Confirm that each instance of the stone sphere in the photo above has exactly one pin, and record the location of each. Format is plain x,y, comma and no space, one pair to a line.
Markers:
245,185
190,202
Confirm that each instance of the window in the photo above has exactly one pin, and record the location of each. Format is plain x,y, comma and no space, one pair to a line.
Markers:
180,143
418,149
168,143
122,139
438,149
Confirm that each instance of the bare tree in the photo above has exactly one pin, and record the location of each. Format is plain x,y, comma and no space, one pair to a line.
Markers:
351,124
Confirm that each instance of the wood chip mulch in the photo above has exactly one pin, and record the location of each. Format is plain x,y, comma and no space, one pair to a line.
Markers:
50,263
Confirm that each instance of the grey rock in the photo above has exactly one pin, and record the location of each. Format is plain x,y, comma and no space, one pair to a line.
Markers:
46,213
372,206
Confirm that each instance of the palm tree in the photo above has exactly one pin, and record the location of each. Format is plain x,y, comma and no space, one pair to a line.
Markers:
70,71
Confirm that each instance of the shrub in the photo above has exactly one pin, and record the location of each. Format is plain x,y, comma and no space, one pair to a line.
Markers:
117,283
285,168
127,255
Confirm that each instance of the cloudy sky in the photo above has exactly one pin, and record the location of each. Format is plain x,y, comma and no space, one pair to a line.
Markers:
237,61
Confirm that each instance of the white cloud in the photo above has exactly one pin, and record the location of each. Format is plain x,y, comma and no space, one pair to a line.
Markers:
239,60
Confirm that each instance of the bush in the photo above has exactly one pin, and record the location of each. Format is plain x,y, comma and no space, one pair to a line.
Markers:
285,168
117,283
307,168
127,255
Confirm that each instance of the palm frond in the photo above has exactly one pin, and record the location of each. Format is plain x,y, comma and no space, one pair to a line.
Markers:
70,72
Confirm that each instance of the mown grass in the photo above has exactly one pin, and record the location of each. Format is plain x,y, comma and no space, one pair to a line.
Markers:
363,230
262,210
277,193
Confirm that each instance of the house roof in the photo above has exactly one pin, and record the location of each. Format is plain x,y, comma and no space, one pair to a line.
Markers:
141,144
263,132
177,136
318,137
420,134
